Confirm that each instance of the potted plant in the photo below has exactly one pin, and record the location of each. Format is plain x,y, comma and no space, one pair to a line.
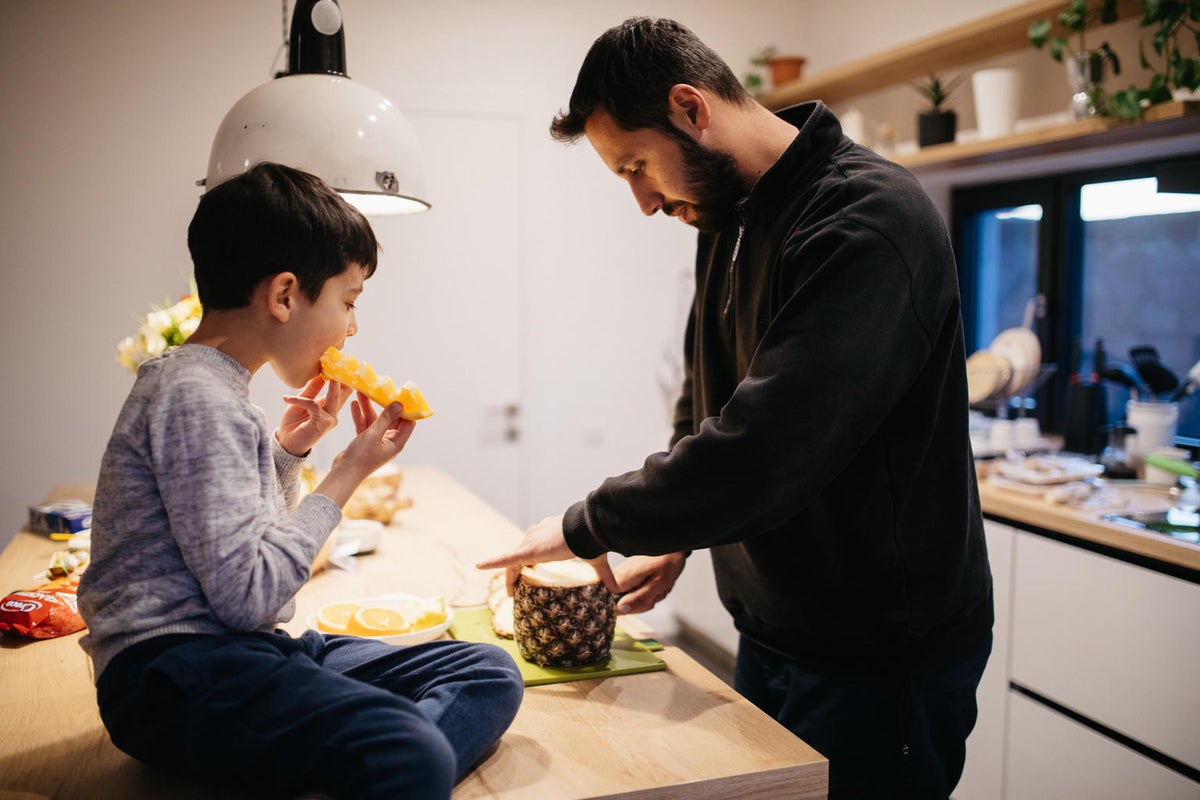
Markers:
1174,76
782,69
753,80
937,125
1085,67
1076,19
785,69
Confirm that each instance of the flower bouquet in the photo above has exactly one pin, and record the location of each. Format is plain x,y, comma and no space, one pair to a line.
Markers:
165,326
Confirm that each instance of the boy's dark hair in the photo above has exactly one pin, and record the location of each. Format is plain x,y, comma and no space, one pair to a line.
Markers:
272,219
629,70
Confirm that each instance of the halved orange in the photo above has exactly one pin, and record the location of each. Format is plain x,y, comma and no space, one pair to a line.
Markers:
378,621
336,617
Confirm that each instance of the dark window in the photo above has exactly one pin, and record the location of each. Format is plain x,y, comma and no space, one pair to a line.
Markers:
1081,257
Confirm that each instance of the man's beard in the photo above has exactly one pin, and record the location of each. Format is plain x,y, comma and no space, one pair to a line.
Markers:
713,178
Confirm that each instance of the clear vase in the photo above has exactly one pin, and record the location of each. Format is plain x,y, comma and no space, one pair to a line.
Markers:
1085,73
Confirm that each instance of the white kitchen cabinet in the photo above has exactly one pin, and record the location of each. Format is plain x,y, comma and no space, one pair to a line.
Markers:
1052,757
1114,642
983,772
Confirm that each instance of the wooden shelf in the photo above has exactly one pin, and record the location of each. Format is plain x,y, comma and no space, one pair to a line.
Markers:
1161,121
994,35
997,34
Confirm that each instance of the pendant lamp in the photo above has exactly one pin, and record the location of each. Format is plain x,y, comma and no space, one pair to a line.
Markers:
314,118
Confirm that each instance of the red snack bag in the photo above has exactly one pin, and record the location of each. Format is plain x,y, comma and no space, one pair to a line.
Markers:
48,611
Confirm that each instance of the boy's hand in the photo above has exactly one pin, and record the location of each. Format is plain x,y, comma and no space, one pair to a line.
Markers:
306,419
375,445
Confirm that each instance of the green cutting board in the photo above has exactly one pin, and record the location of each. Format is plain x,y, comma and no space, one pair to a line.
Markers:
624,658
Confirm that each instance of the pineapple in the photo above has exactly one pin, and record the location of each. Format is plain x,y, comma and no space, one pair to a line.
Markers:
563,615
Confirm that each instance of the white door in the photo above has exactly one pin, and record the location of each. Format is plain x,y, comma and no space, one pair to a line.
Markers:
443,309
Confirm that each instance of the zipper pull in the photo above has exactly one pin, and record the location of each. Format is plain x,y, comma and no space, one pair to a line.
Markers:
737,246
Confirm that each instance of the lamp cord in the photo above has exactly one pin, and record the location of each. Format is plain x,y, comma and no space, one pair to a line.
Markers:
279,62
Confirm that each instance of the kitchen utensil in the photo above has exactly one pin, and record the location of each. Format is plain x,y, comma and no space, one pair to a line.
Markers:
1023,351
988,375
1144,353
1087,408
1189,384
1158,377
1121,373
1115,459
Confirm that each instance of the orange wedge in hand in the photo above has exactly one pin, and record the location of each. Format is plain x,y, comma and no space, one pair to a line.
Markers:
346,369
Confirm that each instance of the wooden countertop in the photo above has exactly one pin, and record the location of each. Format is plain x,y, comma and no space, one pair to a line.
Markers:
1087,524
675,734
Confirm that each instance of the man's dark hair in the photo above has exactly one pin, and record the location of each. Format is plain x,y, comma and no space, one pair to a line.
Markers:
630,69
272,219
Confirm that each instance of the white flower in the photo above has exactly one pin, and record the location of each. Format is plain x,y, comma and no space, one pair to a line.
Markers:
165,326
159,321
188,326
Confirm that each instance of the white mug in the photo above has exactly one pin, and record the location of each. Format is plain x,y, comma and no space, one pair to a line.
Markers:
995,101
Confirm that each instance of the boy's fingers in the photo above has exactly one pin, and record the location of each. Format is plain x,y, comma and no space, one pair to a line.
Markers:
313,387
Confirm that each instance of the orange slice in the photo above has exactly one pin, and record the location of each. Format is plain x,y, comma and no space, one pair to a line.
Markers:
346,369
336,617
430,619
425,612
377,621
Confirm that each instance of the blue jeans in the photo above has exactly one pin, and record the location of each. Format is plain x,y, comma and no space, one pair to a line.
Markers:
886,736
336,715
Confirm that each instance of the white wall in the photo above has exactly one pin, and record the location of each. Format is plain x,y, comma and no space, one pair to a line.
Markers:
109,110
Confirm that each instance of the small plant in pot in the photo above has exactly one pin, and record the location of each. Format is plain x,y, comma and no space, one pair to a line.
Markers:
753,80
937,125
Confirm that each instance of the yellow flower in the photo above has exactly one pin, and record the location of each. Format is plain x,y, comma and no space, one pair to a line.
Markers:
165,326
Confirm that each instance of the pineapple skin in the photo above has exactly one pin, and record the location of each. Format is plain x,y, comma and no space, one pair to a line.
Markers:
563,626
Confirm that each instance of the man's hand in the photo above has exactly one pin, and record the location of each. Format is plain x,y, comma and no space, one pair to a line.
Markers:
646,580
544,541
306,419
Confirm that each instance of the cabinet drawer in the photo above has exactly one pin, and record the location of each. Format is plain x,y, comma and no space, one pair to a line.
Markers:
1114,642
1051,757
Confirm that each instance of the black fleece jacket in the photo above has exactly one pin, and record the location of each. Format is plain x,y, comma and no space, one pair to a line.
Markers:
821,443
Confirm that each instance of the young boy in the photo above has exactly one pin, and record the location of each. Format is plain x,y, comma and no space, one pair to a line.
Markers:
199,543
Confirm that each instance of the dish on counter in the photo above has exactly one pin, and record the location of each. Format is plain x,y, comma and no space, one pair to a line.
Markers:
1045,470
424,618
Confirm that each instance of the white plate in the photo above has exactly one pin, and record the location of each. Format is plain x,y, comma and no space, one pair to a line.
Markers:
393,601
1045,470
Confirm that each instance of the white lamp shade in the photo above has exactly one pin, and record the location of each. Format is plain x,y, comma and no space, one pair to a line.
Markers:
348,135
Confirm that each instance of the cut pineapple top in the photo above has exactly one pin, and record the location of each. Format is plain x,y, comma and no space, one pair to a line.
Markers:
560,574
345,368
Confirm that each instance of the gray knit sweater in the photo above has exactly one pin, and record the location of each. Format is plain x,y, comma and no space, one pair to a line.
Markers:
196,526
